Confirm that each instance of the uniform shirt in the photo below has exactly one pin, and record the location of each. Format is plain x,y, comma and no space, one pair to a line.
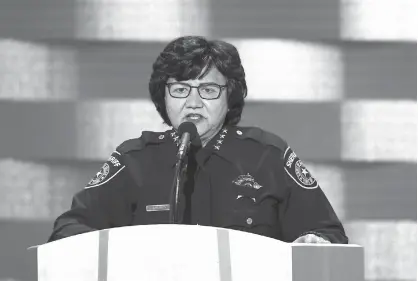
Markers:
244,179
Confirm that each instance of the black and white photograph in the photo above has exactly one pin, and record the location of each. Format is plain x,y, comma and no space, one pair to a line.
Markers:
208,140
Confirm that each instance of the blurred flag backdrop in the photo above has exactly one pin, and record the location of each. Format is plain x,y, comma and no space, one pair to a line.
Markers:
336,79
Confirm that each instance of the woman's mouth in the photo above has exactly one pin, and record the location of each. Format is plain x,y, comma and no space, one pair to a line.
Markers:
194,117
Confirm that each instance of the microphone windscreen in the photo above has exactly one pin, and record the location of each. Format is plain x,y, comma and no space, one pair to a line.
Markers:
189,127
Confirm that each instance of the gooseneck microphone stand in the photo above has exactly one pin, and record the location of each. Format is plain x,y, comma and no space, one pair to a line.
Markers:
180,171
188,132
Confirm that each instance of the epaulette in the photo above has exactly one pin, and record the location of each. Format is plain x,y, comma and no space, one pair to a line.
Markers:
263,137
146,137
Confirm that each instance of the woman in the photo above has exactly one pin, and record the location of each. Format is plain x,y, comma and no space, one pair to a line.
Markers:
239,178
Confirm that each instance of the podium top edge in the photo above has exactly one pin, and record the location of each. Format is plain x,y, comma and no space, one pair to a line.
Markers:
96,235
326,245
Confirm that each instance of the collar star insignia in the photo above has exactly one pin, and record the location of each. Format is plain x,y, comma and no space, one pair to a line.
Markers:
221,138
175,137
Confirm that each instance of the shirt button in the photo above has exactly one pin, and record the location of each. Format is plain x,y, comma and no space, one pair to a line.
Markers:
161,137
249,221
239,132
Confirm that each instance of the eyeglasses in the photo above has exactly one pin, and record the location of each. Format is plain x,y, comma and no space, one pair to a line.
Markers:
207,91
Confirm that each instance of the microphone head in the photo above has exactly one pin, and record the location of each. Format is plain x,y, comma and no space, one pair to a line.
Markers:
190,127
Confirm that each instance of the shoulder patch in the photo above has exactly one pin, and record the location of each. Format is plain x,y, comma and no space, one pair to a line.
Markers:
109,170
297,171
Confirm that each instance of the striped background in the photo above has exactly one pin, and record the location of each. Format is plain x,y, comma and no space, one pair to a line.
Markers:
337,79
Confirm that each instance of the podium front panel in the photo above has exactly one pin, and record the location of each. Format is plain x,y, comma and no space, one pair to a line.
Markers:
192,252
161,252
69,259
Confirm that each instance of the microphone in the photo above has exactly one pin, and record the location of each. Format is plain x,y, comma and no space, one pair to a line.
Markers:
188,133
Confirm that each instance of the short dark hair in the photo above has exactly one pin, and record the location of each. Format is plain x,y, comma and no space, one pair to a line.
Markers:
184,58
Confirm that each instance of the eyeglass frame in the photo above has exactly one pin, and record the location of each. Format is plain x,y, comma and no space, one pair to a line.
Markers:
221,87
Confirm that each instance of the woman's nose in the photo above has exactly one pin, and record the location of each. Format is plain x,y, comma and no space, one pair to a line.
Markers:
194,100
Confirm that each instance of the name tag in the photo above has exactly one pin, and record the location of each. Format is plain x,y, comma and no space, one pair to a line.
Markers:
158,208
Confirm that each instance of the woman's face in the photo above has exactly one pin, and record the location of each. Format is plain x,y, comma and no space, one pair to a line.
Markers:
207,115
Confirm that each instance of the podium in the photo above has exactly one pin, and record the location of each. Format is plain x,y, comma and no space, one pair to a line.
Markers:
193,252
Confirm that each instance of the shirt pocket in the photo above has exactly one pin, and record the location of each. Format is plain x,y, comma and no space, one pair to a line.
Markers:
251,217
152,208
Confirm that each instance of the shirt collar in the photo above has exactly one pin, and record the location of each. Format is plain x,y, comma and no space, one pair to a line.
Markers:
217,145
223,144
